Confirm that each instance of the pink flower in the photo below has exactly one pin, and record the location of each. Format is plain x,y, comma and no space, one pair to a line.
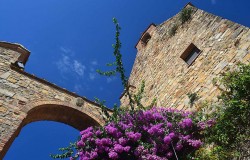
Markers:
127,148
171,135
169,154
167,139
118,148
179,147
113,155
186,123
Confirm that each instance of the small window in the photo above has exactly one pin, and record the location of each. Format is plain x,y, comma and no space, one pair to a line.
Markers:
146,37
190,54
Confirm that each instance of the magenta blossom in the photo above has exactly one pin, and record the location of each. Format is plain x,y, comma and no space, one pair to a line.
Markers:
153,134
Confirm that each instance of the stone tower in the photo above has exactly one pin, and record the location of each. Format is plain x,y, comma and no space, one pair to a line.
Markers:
176,58
25,98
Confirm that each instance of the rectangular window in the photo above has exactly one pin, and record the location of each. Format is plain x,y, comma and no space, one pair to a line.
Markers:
190,54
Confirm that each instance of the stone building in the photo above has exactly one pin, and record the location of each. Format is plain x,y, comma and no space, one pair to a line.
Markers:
184,54
180,56
25,98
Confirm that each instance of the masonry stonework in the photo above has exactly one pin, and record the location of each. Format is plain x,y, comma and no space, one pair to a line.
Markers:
25,98
168,77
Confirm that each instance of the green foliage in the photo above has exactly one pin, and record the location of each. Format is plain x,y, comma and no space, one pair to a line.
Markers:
105,114
238,85
151,104
118,64
213,153
233,126
185,15
172,30
134,99
67,152
192,97
139,95
107,73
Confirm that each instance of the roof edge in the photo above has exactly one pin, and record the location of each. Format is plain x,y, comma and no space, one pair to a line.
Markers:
152,24
43,81
25,53
188,4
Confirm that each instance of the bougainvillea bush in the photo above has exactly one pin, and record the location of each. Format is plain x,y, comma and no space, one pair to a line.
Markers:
154,134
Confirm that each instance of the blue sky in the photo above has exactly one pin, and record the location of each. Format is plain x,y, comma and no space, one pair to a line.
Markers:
69,40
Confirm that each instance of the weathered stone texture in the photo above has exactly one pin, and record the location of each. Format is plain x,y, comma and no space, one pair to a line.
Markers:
25,98
169,78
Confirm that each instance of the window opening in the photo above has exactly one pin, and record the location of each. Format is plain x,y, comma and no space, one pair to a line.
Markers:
190,54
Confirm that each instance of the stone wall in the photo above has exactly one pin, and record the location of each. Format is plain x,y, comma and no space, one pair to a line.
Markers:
168,77
25,98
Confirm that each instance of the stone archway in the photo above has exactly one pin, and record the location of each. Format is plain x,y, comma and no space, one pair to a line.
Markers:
25,98
52,111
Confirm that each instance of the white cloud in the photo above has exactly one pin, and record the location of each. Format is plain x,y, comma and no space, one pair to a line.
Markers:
68,64
63,64
65,50
78,68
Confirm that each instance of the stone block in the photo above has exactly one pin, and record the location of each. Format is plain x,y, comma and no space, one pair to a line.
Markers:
5,75
241,54
12,79
3,109
7,93
23,83
18,97
60,97
237,32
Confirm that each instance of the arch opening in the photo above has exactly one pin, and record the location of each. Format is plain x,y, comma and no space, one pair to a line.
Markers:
53,112
59,113
37,140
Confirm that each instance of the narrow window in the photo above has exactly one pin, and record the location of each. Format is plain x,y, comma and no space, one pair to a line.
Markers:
146,37
190,54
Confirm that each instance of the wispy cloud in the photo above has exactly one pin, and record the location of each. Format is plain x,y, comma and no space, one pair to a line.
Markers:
63,63
65,50
92,70
67,64
78,68
213,2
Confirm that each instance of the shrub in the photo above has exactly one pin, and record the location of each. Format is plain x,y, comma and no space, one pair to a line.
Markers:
172,30
233,123
158,134
232,130
185,15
